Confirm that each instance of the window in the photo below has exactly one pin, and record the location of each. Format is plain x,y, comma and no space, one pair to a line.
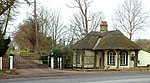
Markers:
123,58
79,54
132,55
78,57
111,58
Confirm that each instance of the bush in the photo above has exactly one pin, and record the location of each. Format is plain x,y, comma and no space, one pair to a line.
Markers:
66,55
44,58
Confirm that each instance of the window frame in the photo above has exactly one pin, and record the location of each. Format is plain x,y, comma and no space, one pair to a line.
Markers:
111,55
123,58
78,57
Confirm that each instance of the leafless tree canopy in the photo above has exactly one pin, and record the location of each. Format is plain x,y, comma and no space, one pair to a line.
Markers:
130,17
56,27
51,29
83,21
8,9
51,25
7,4
26,39
7,12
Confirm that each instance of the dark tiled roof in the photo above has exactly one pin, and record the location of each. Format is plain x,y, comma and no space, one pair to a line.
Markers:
109,40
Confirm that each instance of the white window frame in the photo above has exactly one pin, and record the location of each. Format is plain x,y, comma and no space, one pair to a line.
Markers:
111,58
123,58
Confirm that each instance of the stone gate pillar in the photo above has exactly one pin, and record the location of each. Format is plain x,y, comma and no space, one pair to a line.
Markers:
1,67
11,61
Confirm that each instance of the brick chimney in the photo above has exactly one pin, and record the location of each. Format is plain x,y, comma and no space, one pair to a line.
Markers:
103,26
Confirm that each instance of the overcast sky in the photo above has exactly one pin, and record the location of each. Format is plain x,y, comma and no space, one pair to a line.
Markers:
106,6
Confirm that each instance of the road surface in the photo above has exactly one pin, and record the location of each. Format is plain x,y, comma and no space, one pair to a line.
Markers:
111,78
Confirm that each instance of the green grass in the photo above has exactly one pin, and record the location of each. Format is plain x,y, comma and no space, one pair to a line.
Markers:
22,52
27,53
10,51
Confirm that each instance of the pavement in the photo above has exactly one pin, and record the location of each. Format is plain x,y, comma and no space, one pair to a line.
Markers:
48,72
45,72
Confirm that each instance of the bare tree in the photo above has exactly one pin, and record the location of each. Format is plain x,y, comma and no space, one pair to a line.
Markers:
130,17
84,20
43,18
55,26
5,5
50,24
25,37
7,11
43,15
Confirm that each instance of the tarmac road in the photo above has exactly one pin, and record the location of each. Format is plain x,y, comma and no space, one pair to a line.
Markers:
110,78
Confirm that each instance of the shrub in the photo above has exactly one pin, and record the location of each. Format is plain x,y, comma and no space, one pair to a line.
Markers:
66,55
44,58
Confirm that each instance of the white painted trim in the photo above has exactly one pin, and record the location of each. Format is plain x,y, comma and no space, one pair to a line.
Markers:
1,67
11,62
60,63
52,62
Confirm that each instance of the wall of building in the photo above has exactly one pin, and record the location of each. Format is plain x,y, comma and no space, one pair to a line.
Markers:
74,59
89,59
106,66
143,58
132,54
130,63
98,59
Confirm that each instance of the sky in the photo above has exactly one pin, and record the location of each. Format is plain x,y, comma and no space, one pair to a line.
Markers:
106,6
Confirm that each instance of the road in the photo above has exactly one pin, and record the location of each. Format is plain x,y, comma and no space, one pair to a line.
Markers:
111,78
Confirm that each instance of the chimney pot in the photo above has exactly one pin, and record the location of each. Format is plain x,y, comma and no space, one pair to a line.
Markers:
103,22
103,26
